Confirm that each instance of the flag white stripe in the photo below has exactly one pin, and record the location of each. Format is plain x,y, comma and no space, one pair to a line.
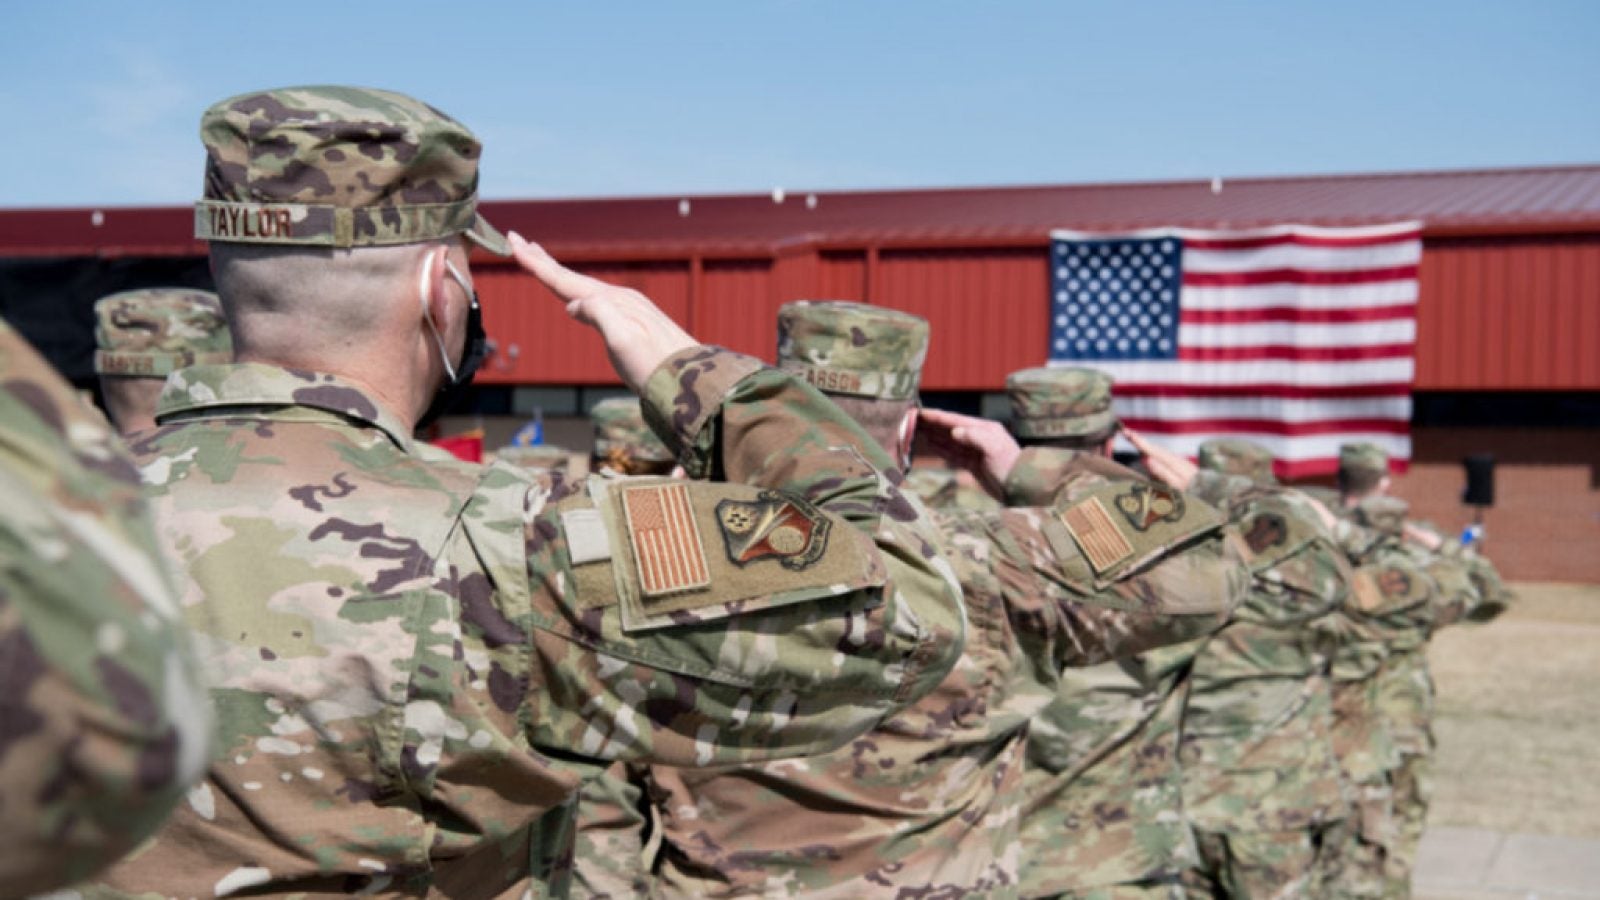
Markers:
1266,371
1283,409
1299,334
1289,296
1310,259
1314,446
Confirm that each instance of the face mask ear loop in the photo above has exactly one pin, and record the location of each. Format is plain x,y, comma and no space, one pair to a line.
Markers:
466,288
425,293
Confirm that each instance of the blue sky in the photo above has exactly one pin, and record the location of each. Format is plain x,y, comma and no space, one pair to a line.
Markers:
582,99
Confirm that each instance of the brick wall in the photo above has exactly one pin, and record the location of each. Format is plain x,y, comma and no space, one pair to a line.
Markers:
1545,524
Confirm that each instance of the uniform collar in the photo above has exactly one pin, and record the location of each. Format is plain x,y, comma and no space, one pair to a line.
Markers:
214,390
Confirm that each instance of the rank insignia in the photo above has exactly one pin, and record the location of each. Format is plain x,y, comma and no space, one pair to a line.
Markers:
774,526
1146,504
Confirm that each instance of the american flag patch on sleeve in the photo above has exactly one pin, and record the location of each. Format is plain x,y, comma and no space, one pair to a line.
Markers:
666,542
1097,535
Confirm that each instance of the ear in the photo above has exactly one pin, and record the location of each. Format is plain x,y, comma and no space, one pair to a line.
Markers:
430,285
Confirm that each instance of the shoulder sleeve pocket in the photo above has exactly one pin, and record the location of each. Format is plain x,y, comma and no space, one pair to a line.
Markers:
678,574
1119,528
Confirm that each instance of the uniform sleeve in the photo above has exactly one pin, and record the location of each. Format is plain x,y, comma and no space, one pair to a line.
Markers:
782,609
105,721
1037,475
1066,613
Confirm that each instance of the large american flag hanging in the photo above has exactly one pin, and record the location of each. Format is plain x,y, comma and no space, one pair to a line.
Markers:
1296,337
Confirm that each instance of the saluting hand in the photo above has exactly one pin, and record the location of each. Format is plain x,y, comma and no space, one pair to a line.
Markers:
1167,467
638,335
981,446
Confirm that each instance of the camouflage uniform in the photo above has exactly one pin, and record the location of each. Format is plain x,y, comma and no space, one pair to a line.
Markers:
1407,699
1103,810
417,661
1385,692
1262,786
927,804
613,825
141,336
105,723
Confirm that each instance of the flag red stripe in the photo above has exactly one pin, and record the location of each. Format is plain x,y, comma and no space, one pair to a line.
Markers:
1291,314
1303,354
1298,276
1269,426
1299,240
1289,391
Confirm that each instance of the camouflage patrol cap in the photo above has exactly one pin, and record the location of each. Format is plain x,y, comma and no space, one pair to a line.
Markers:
338,167
853,348
1232,456
1051,403
535,456
1363,460
1384,514
151,332
619,427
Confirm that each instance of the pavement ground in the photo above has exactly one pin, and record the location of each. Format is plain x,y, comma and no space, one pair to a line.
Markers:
1516,809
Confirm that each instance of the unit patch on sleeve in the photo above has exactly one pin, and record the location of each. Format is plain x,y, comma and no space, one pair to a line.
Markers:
1090,525
1143,505
666,543
773,526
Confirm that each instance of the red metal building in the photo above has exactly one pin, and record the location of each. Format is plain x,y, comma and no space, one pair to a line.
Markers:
1509,292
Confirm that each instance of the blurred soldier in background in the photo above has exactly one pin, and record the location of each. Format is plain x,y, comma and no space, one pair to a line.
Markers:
927,803
1381,684
1262,786
105,723
144,335
546,457
418,660
623,443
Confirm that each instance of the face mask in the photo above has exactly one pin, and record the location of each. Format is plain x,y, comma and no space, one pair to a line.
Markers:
459,377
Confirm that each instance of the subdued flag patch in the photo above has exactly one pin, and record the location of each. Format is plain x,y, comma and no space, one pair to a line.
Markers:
1091,526
666,544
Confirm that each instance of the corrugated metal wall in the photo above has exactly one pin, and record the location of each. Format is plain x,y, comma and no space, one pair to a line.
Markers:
1509,314
1514,313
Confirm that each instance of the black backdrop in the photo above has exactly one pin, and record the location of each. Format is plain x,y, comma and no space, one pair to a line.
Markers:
51,301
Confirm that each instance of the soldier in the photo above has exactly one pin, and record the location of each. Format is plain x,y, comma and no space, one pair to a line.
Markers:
141,336
1261,784
926,804
1103,812
1380,692
417,660
105,722
1405,697
623,443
